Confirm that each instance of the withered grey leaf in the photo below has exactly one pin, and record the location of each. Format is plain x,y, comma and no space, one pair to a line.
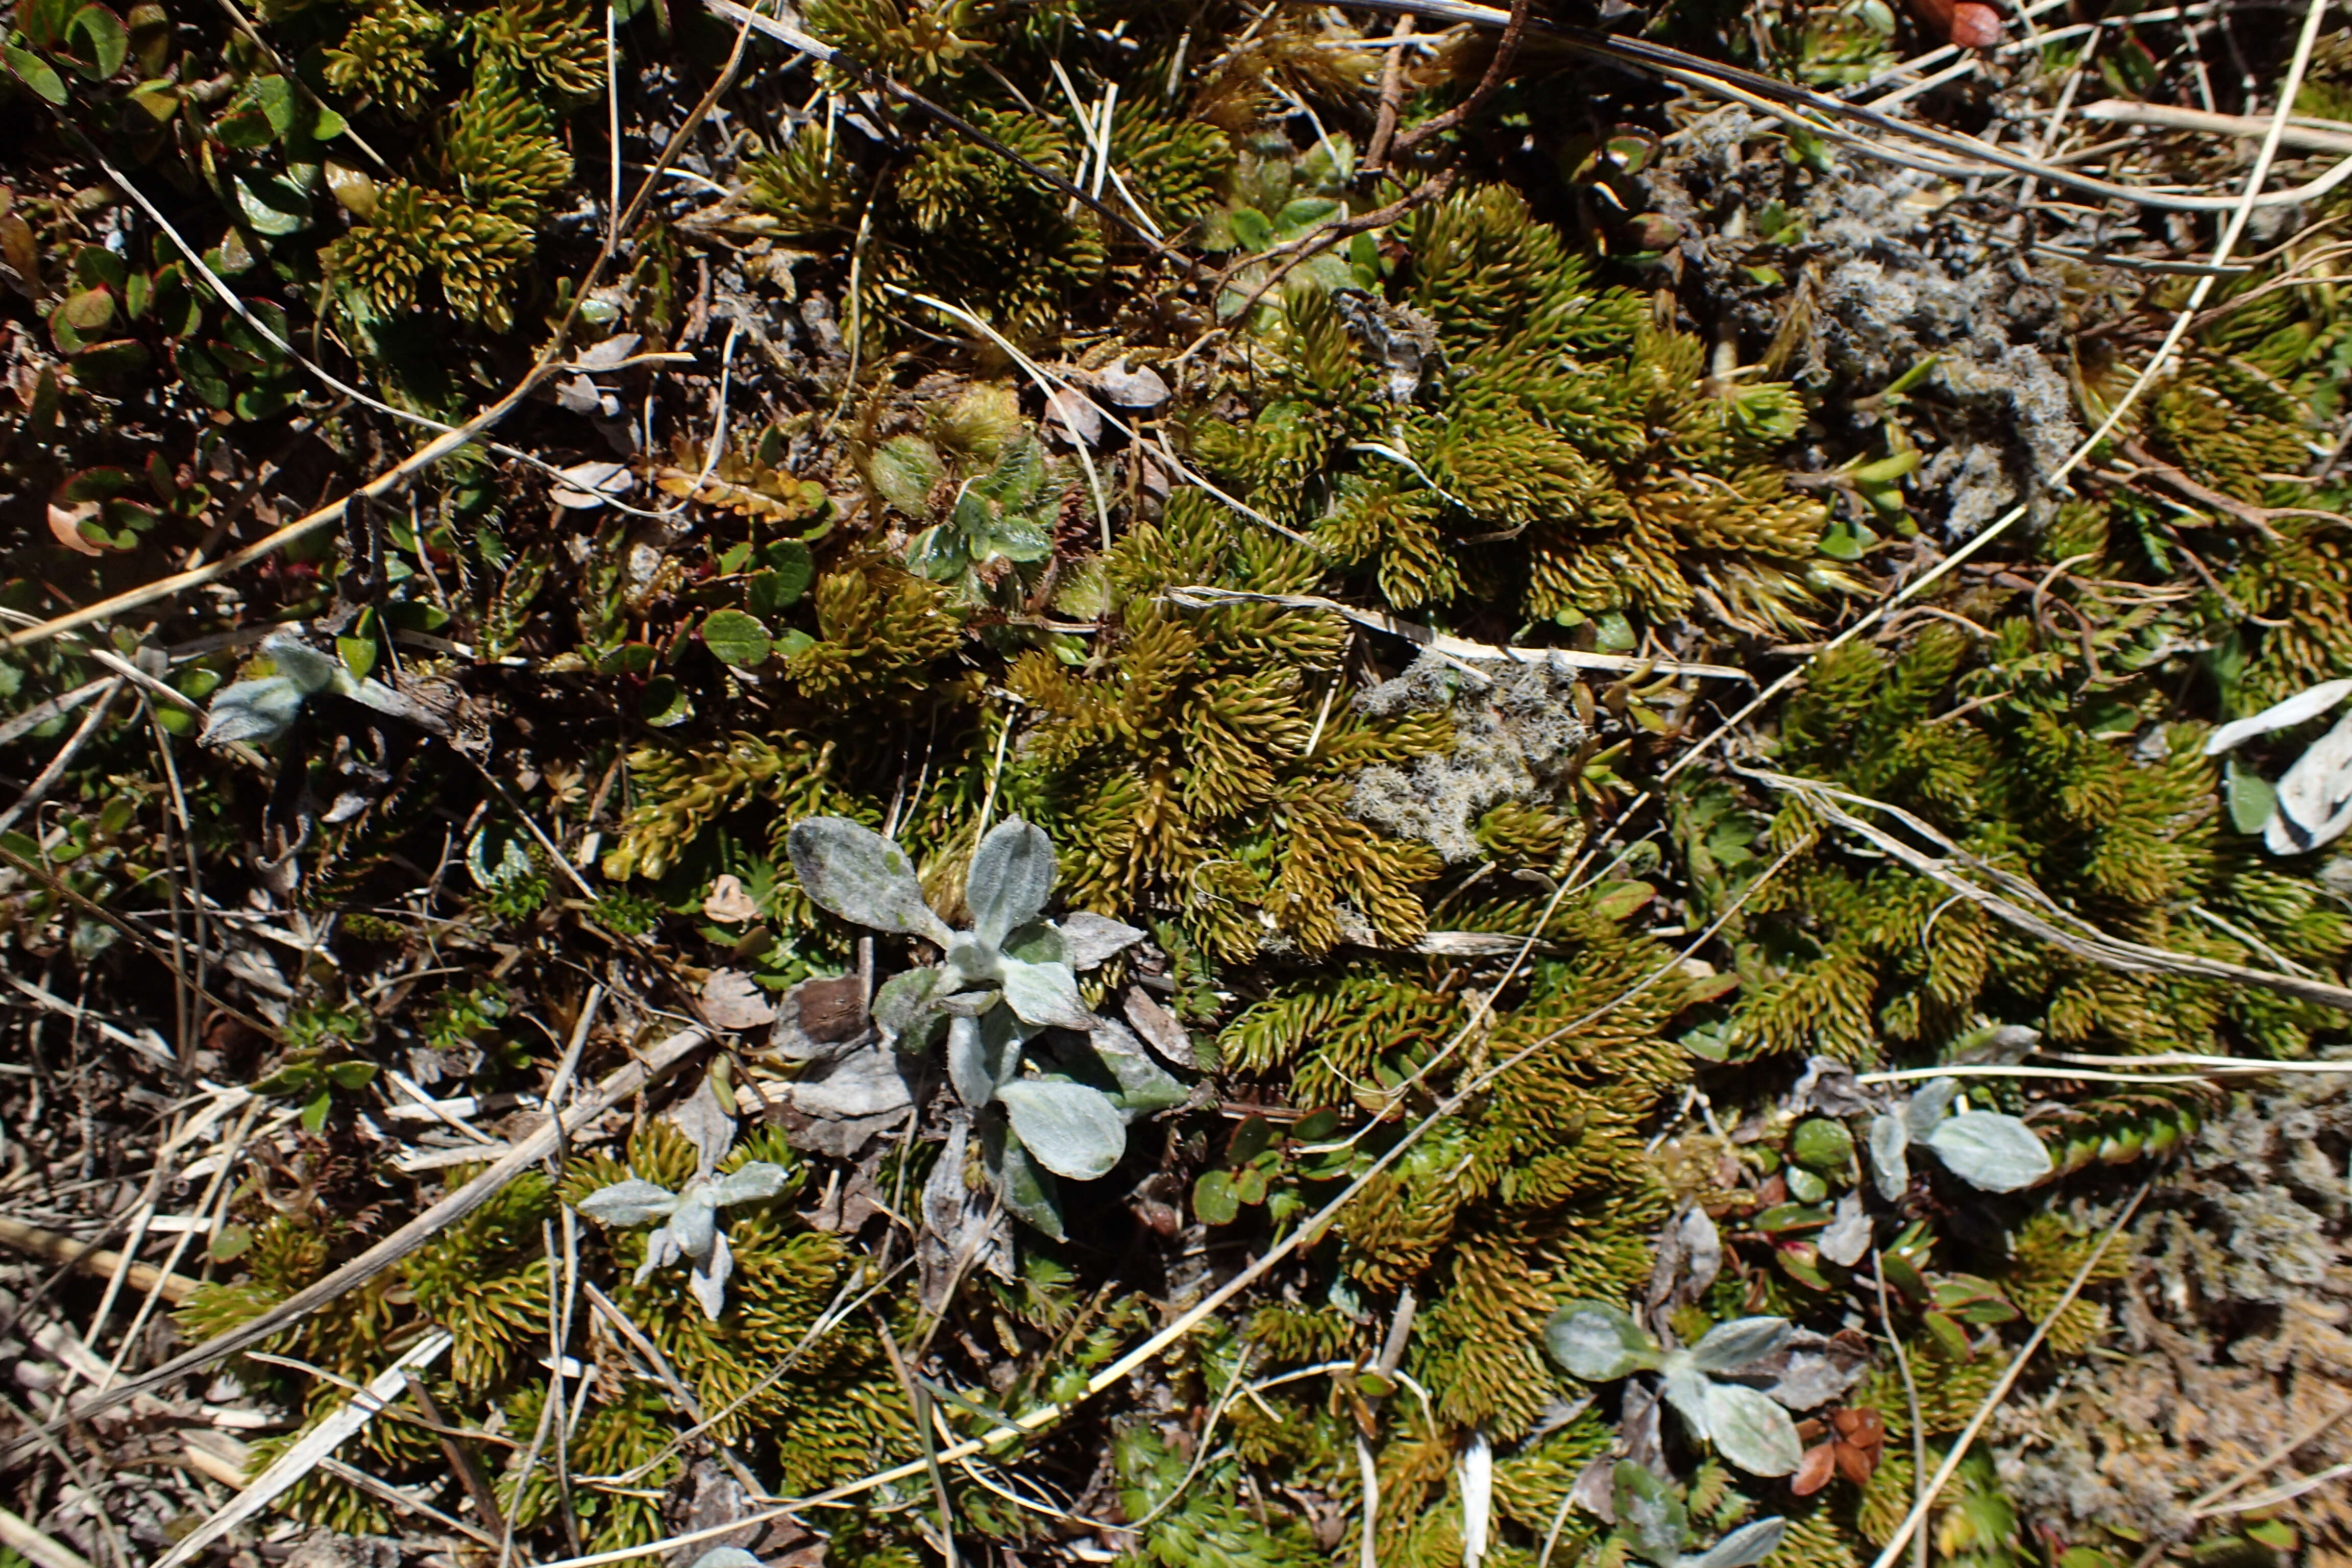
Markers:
1091,941
1811,1369
1847,1236
728,903
1160,1030
1072,416
2308,703
608,354
579,395
962,1228
865,1082
1828,1089
708,1124
585,486
1690,1255
2315,798
732,1000
1139,388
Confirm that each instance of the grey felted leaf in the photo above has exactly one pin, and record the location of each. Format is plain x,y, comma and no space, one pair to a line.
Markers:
1094,940
633,1202
1990,1151
1598,1342
855,873
1044,993
1012,877
1750,1544
254,711
1890,1161
1729,1346
1752,1430
1073,1131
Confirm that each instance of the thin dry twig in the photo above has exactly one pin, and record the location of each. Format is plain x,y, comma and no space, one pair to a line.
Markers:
2312,135
1384,125
2084,941
2156,363
392,478
816,49
1506,50
2285,1450
91,1259
46,780
138,938
1992,1401
1961,156
618,1086
1911,1396
1293,254
1056,385
1199,597
37,1547
1306,1234
2259,518
314,1445
918,1401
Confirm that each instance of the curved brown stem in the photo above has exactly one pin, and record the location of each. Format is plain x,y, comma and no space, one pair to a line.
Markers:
1376,154
1506,49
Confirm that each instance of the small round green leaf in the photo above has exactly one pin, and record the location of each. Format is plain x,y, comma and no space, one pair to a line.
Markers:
36,73
99,36
737,639
2253,801
1213,1198
1821,1143
906,469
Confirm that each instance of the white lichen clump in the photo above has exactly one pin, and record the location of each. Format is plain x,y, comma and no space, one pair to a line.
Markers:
1515,730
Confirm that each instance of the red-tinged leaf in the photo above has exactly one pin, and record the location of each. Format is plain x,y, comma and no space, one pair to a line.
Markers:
88,311
1862,1425
1813,1471
65,526
1948,1337
1856,1464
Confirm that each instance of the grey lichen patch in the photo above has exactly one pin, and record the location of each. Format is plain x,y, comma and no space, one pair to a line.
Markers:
1883,272
1516,731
